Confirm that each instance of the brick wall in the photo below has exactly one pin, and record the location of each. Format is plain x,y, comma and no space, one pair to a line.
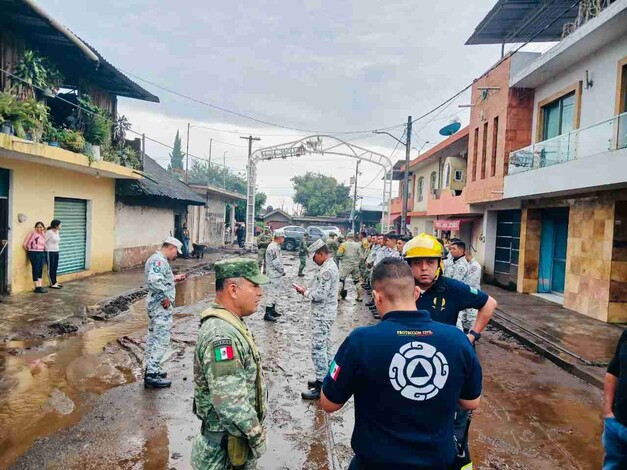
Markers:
514,110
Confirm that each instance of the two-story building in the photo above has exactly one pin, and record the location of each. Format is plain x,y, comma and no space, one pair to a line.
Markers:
556,202
39,181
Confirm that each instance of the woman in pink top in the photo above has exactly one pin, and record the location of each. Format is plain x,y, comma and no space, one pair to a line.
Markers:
35,244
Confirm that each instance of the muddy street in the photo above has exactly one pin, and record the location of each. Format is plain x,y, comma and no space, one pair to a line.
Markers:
77,401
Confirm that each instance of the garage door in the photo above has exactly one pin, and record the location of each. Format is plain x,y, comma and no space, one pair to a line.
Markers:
73,216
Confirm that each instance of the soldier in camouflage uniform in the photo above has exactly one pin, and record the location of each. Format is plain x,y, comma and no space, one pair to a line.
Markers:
161,293
275,271
350,254
333,245
458,268
230,394
467,317
263,240
323,296
302,254
364,251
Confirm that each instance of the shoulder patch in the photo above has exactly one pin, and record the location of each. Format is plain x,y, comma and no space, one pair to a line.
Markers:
326,275
223,349
474,291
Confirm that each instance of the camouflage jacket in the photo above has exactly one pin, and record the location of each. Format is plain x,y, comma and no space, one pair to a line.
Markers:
302,249
386,252
225,379
372,255
457,270
323,291
274,263
473,278
263,240
350,252
333,246
159,280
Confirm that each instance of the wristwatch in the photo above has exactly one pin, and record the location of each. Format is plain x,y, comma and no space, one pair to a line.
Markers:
476,335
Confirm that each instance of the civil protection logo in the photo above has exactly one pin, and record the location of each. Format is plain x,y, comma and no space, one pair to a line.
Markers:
418,371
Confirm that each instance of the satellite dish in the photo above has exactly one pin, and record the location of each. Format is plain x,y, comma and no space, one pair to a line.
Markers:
451,127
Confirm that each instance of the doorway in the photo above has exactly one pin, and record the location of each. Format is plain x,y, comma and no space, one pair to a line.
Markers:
553,247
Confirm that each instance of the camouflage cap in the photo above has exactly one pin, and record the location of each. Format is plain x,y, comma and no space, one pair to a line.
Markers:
315,246
240,267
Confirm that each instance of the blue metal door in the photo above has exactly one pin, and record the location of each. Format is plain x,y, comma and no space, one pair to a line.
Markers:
553,247
73,216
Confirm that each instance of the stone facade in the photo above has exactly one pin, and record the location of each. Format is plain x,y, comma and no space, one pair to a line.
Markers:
596,262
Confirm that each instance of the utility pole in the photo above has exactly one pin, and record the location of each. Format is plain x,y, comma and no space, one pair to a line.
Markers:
355,196
250,139
406,179
224,168
187,154
210,145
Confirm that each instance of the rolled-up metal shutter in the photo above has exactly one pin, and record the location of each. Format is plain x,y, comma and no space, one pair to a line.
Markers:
73,216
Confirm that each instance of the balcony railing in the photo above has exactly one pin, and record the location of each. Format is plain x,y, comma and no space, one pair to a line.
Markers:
581,143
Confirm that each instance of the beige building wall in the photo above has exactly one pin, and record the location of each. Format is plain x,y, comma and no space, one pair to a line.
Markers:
33,188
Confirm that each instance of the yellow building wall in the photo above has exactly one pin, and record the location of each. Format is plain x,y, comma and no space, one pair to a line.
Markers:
33,190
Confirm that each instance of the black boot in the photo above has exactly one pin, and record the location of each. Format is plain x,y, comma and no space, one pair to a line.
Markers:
311,383
274,313
268,316
154,381
314,392
162,375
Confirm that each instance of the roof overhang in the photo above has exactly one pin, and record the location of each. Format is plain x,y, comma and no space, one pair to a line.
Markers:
209,189
75,58
512,21
42,154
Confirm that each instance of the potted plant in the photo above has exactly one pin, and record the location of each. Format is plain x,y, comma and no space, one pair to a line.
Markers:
72,141
97,133
52,136
6,101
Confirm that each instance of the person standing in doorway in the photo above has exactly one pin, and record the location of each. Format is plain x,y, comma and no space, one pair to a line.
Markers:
185,234
52,252
240,232
35,244
323,296
161,294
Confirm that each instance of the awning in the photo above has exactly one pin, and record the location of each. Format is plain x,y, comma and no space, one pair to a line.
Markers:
450,224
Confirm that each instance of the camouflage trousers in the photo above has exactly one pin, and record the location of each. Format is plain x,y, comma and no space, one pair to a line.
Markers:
303,263
274,290
158,337
466,319
351,269
209,455
261,258
321,347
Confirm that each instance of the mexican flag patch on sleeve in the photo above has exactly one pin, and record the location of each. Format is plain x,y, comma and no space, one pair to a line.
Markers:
223,350
334,371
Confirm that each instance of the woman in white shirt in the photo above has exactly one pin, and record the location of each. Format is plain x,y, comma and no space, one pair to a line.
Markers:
52,252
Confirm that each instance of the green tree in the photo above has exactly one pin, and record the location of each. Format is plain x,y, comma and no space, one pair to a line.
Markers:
176,157
321,195
203,173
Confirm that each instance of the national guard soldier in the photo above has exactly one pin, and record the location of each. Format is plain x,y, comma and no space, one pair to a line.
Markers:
263,240
230,394
161,294
457,267
275,271
388,250
333,245
323,296
364,251
302,254
350,254
468,316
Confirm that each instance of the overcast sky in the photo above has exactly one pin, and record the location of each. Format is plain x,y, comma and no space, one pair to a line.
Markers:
324,65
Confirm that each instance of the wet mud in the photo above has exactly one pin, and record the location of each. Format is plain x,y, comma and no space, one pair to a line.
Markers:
533,415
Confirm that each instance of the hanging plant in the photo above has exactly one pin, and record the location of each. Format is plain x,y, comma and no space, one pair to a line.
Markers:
35,73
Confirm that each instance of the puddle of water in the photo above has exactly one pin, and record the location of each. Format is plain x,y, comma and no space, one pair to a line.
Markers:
74,365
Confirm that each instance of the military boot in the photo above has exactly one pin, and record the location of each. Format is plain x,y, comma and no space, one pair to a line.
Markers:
268,316
163,375
314,392
154,381
274,313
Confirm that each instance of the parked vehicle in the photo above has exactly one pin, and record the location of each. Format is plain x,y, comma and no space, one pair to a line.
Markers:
293,237
327,229
315,233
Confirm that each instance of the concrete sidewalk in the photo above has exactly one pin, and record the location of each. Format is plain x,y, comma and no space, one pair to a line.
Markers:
575,342
29,315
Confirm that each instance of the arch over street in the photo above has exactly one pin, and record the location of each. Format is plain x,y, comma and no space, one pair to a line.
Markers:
312,145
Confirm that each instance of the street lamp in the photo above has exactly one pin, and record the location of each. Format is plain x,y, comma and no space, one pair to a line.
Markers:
423,146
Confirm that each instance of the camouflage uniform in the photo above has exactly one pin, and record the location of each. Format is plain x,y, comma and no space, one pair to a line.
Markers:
302,255
323,296
457,270
333,246
227,397
263,241
364,251
350,254
467,317
386,252
160,283
275,271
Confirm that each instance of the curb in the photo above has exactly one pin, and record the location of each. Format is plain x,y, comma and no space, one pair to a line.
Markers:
544,349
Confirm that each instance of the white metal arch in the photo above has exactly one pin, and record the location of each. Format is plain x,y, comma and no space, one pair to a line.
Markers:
321,145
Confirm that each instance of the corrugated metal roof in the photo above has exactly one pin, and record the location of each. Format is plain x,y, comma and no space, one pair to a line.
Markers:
518,21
